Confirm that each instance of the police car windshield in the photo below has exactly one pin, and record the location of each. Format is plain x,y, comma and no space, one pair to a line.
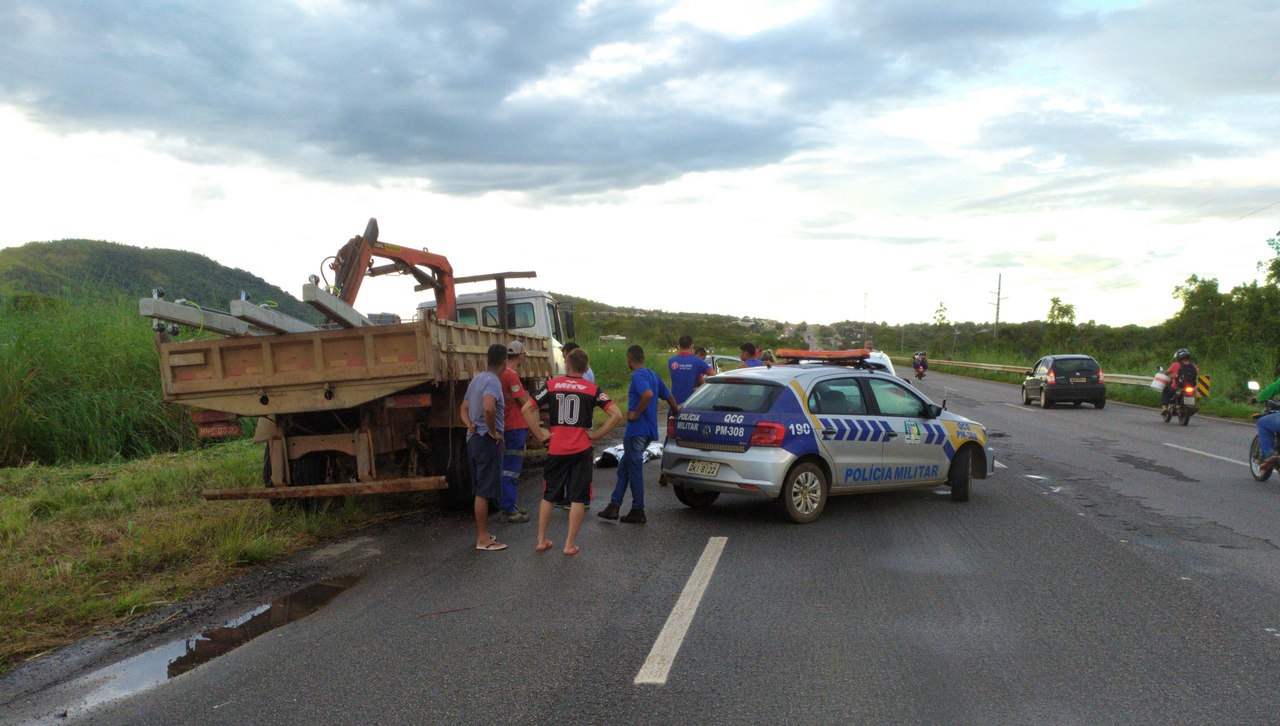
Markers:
733,395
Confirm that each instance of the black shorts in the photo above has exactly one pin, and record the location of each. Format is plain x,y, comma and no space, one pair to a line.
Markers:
567,477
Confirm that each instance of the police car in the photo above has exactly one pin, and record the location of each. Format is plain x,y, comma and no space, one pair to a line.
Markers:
824,423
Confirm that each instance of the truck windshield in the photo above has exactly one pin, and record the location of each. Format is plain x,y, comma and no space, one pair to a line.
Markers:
519,315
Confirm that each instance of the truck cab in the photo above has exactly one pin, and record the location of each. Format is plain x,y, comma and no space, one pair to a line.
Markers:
531,312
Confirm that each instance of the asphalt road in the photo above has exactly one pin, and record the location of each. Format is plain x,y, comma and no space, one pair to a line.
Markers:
1115,569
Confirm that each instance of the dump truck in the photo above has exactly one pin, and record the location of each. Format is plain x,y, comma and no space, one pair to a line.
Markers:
351,406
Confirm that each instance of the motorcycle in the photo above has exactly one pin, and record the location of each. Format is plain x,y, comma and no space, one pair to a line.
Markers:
1184,404
920,367
1255,448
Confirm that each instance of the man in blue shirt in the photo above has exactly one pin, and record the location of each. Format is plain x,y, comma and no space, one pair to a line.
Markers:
747,352
687,370
482,412
642,428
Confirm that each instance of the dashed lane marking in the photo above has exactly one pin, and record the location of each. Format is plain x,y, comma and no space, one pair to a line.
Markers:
663,654
1205,453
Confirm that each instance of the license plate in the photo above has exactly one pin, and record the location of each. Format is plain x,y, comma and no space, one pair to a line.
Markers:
1189,400
704,468
1077,380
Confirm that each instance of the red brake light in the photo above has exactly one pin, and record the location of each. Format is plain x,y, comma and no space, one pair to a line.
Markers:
1051,379
768,433
671,427
1189,390
1101,378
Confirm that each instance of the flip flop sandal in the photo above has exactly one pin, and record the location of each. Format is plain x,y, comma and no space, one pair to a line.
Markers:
492,546
545,547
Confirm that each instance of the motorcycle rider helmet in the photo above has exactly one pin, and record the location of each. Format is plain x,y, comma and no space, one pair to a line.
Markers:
1183,355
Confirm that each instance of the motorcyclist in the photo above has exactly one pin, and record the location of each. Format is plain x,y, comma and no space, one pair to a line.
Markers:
920,362
1182,372
1268,427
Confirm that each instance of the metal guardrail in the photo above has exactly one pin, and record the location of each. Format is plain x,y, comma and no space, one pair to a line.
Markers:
1111,377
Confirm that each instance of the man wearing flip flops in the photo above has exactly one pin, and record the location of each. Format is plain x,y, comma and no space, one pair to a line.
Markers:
572,400
482,413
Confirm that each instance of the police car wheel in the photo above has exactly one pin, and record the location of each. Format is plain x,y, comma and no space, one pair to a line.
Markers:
804,493
960,475
695,498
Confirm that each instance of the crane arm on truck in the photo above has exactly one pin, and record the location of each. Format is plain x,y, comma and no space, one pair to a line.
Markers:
354,262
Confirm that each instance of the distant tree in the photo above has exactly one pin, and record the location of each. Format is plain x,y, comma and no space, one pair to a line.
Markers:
1272,266
940,315
1061,320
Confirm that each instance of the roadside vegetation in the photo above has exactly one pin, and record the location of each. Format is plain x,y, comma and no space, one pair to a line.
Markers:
80,382
84,547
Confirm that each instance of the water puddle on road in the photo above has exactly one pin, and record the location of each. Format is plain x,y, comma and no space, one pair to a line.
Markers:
157,665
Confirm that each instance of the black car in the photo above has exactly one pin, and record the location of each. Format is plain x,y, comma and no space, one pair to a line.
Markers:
1075,379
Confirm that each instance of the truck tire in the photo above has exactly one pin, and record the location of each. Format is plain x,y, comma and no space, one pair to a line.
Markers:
450,460
307,470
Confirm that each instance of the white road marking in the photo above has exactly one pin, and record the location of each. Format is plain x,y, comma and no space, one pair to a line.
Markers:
1205,453
1017,406
1000,465
663,654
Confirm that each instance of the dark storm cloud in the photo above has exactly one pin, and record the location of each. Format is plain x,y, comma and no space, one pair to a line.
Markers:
425,89
439,90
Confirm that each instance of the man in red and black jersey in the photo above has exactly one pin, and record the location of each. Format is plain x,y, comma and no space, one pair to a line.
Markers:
572,401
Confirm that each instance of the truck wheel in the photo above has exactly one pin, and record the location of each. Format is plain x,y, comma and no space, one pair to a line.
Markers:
696,498
304,471
450,460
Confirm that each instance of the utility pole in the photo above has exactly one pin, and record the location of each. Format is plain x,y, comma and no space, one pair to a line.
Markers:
995,329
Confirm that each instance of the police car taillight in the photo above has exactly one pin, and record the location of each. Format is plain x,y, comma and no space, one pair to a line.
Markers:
671,427
768,433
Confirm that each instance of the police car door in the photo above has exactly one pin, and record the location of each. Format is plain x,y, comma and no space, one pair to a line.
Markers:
849,437
915,452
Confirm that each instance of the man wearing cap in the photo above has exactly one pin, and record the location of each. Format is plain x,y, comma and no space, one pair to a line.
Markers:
515,432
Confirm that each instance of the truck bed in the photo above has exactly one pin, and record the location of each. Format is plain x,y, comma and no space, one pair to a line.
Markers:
331,369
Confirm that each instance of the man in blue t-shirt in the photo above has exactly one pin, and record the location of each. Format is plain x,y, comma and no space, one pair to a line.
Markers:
482,412
687,370
749,355
642,428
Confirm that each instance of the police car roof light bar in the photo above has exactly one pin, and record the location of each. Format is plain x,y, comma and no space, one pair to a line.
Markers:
856,355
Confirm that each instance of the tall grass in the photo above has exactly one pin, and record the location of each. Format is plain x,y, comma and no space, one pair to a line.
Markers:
80,382
91,545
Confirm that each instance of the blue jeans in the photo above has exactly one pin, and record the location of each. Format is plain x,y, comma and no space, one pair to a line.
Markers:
512,465
631,471
1268,427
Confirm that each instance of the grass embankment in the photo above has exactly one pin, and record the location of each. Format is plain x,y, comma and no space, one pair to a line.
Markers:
88,546
80,382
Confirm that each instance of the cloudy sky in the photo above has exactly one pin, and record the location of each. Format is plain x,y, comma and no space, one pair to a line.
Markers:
798,160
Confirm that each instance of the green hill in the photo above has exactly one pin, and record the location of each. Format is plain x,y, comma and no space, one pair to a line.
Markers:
94,269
